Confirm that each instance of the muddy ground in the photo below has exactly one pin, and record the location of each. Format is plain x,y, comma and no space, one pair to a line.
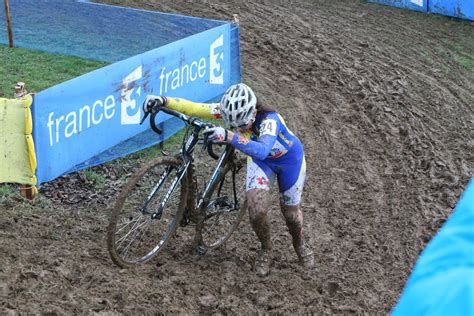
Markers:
383,101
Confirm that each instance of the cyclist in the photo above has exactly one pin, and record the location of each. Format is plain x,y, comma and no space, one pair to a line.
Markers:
273,152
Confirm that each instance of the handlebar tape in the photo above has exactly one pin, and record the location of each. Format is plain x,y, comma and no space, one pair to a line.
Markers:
153,124
211,152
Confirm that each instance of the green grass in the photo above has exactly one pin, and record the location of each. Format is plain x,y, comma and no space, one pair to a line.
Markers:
38,70
98,180
7,190
462,53
466,61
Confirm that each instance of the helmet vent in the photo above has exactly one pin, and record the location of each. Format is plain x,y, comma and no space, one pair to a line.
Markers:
238,105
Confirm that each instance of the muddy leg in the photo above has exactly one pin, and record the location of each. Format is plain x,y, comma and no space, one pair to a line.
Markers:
294,221
257,200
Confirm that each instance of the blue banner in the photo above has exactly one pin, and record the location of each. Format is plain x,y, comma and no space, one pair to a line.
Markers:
416,5
84,117
95,31
463,9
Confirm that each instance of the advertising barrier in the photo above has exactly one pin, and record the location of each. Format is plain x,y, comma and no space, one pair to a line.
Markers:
415,5
96,31
463,9
81,118
95,118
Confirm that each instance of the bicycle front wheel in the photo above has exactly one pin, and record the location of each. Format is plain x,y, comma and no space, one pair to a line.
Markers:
146,212
225,209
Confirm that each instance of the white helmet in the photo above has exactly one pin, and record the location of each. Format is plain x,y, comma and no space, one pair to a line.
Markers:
238,105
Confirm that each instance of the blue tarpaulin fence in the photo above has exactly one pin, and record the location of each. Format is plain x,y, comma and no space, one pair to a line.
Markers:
95,31
462,9
94,118
415,5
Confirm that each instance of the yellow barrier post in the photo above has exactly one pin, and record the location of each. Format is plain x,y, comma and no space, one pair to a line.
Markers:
26,191
17,148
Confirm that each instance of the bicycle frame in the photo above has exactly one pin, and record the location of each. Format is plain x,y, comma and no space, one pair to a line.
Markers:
212,210
228,151
186,155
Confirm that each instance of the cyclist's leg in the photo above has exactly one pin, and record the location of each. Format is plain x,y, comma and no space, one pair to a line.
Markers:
259,179
291,182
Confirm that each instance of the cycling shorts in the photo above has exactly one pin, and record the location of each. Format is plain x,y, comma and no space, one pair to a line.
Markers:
290,175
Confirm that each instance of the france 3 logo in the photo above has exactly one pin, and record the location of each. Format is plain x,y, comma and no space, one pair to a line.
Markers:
170,79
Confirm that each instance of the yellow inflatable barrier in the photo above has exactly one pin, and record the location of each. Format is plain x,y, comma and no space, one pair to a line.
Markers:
17,149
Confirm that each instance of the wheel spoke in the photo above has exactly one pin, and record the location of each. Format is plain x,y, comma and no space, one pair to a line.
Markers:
134,228
133,236
221,217
127,224
218,212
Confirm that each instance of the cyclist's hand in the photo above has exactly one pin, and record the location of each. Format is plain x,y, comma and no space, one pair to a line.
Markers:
153,103
216,134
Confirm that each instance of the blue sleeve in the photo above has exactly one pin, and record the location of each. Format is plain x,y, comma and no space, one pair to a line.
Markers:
258,150
269,128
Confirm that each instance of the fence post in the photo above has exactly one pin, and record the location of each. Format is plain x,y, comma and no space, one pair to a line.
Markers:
9,23
235,19
26,191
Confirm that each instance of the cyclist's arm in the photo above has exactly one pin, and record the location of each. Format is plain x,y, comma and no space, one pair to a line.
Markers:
202,110
260,148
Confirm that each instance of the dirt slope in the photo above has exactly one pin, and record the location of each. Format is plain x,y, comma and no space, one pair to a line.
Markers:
383,100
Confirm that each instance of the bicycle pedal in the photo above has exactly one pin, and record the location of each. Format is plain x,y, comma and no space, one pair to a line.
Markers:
184,221
156,215
201,250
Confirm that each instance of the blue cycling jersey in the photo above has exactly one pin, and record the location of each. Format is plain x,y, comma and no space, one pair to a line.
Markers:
271,141
274,150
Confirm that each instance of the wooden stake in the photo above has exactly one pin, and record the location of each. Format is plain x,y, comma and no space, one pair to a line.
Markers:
27,191
9,23
235,19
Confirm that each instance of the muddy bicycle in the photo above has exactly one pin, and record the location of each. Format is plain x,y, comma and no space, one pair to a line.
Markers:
164,194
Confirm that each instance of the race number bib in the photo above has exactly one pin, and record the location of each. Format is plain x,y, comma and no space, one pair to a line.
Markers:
268,127
215,110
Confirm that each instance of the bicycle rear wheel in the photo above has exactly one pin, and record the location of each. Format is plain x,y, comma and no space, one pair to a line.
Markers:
222,215
146,212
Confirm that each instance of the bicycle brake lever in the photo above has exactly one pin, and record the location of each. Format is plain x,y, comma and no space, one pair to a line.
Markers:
208,144
205,141
211,153
144,117
153,124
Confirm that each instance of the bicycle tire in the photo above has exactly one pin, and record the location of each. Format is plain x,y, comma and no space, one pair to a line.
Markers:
146,236
219,218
